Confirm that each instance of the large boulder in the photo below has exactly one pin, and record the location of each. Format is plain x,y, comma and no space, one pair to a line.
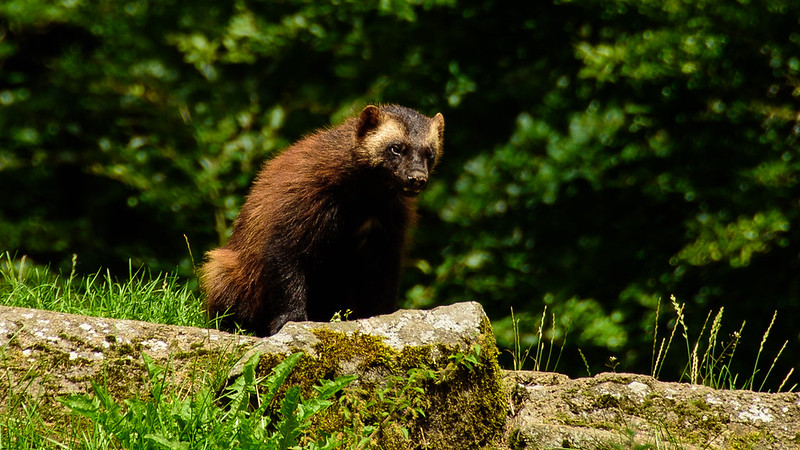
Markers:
439,367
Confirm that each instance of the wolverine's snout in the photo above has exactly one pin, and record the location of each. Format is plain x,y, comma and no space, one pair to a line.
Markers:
416,182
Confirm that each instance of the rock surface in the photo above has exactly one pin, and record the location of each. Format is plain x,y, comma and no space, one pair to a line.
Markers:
552,411
458,326
44,355
72,350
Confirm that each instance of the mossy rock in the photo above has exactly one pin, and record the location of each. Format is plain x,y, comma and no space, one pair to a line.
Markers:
426,379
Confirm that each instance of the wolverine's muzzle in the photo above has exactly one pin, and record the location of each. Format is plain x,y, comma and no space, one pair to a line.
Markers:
415,183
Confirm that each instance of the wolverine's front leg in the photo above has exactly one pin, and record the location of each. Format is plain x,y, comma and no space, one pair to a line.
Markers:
288,289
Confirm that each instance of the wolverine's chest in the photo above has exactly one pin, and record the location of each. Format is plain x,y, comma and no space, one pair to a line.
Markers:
370,226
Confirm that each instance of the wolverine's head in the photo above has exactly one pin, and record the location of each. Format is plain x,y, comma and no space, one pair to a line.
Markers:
402,142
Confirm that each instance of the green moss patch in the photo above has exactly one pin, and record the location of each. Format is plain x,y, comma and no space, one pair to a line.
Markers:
432,396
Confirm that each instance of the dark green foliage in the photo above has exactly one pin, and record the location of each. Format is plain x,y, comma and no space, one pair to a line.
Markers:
599,155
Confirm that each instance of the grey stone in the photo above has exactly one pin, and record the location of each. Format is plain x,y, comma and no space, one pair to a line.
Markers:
70,350
46,355
53,354
553,411
457,326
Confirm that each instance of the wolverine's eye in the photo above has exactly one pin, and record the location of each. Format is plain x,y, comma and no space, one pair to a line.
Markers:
395,149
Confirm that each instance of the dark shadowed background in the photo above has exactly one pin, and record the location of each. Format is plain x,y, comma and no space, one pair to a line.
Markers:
599,156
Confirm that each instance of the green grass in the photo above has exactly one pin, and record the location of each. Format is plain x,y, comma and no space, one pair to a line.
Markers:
217,415
159,298
708,358
542,353
207,420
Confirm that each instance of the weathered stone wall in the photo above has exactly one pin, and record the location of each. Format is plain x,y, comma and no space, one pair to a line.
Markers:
44,355
551,411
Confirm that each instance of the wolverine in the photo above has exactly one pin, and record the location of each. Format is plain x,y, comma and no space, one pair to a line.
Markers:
324,225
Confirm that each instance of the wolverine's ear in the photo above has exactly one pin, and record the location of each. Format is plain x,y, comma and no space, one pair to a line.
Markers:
368,120
438,122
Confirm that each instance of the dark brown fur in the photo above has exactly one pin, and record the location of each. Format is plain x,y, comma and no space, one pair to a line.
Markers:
324,225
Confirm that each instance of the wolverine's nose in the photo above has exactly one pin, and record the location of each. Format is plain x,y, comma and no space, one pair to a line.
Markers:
417,181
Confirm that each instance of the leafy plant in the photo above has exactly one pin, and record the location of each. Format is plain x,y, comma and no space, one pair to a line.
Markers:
237,418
